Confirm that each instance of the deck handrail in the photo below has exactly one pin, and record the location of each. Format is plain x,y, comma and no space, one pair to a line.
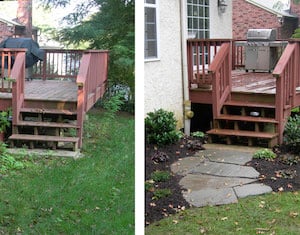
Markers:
58,64
18,82
220,69
287,73
91,82
200,54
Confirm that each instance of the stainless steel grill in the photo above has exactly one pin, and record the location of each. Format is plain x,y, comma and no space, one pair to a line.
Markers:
261,51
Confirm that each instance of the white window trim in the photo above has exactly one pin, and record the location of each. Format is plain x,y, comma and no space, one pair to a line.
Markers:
156,5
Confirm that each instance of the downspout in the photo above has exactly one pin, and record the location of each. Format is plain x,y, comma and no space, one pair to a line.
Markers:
187,113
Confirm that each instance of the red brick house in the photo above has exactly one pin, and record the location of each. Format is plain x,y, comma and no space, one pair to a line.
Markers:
11,28
248,14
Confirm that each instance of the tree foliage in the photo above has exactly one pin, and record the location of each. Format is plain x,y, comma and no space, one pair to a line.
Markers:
110,27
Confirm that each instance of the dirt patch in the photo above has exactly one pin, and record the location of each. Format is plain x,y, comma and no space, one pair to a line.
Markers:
281,174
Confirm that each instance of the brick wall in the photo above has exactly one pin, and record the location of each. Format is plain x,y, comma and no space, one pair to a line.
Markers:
246,15
5,31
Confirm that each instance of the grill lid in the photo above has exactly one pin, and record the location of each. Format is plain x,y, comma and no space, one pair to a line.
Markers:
261,35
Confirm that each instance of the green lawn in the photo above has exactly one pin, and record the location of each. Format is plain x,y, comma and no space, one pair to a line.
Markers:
91,195
276,213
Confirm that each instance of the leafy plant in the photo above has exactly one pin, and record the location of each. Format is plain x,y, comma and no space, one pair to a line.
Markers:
160,127
292,131
4,122
198,134
266,154
160,176
7,161
161,193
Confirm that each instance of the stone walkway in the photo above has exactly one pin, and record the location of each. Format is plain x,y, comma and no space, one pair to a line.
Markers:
218,175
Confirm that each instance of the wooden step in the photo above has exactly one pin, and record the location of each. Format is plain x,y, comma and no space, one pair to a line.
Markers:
46,124
45,138
249,104
48,111
246,118
252,134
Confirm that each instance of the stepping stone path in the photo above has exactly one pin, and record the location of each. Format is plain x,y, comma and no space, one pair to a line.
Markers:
218,175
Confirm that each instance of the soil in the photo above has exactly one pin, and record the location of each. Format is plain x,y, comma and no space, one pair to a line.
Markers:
282,174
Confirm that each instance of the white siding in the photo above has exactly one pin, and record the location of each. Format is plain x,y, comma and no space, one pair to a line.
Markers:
220,23
163,77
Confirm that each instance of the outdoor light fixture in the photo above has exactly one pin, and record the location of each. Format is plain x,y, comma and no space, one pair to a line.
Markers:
222,6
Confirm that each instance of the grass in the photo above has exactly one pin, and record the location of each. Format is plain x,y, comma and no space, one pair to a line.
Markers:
91,195
276,213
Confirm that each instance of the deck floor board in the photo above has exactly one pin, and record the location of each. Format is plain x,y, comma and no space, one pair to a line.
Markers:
49,90
253,82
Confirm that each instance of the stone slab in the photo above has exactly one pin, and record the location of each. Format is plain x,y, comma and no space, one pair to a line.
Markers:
200,182
184,165
228,156
207,197
251,190
45,152
224,169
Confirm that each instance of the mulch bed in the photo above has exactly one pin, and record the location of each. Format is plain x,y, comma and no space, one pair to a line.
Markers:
281,174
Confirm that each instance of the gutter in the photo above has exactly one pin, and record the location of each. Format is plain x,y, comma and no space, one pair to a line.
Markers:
187,113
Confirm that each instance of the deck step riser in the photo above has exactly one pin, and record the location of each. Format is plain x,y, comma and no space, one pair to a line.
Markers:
250,121
49,128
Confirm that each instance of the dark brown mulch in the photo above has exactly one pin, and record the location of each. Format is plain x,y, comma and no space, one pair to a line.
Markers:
281,174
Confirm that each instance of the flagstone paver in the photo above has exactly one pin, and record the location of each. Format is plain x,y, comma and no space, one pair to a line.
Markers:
218,175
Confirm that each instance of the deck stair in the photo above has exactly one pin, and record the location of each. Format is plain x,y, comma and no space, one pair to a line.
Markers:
246,122
45,128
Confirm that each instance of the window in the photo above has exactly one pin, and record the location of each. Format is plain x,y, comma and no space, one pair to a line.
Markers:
151,39
198,18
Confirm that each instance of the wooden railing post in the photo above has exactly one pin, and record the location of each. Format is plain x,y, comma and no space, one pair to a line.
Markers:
286,73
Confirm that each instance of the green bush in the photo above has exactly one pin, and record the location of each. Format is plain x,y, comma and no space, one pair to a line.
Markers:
292,131
161,193
160,128
160,176
266,154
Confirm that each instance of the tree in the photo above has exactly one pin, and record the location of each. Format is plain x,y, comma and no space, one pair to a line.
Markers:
111,27
24,16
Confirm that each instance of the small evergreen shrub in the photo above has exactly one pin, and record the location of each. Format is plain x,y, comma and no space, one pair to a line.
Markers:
266,154
160,128
198,134
292,131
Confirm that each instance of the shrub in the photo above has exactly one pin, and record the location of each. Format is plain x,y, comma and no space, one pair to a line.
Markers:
161,193
198,134
160,128
292,131
160,176
266,154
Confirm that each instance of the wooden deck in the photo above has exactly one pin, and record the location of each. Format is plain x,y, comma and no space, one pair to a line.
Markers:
249,106
49,109
253,82
48,90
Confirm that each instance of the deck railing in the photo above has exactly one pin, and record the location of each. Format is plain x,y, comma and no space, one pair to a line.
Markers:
7,58
58,64
200,54
287,73
220,69
91,82
18,82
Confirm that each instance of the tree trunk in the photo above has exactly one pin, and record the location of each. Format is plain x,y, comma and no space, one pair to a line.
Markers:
24,16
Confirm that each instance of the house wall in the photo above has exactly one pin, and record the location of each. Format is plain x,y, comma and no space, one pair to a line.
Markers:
5,31
220,23
163,77
246,16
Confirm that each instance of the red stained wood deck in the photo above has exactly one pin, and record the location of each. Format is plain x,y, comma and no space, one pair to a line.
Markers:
49,105
246,105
